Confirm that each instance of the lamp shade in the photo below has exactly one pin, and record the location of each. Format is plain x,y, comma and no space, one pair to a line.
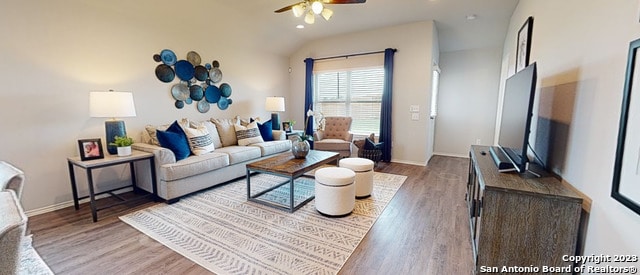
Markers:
274,104
111,104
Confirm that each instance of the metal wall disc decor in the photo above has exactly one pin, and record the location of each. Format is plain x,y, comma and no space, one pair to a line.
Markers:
201,73
168,57
193,58
225,89
203,106
215,75
165,73
197,81
212,94
180,91
184,70
196,92
223,103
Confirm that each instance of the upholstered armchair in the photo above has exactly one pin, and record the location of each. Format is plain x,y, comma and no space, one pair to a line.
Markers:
335,137
13,221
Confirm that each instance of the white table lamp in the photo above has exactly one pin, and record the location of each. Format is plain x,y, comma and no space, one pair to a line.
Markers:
112,105
275,104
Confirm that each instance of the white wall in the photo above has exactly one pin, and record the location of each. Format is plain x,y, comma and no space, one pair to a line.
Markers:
54,52
581,50
412,79
467,100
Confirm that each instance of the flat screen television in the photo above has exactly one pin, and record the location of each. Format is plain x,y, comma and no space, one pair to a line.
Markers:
517,110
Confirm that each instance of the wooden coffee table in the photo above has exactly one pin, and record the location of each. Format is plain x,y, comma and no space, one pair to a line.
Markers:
286,166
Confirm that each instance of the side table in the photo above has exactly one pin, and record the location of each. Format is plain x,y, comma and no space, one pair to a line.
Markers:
110,160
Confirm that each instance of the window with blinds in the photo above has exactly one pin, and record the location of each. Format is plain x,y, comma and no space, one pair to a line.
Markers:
354,92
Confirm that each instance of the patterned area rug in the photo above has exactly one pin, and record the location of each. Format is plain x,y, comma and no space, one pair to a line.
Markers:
223,232
30,261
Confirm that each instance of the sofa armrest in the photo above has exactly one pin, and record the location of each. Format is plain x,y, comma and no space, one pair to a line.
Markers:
279,135
162,155
11,178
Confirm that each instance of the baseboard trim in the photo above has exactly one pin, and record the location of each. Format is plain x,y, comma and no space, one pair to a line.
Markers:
66,204
451,155
408,162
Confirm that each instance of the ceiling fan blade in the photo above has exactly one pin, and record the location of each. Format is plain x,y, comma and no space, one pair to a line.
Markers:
344,1
287,7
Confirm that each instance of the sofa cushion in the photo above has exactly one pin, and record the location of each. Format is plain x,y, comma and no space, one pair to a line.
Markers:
266,130
248,134
175,140
193,165
239,154
273,147
226,130
200,141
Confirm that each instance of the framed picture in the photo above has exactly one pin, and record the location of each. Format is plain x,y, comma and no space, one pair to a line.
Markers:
286,127
523,48
90,149
626,171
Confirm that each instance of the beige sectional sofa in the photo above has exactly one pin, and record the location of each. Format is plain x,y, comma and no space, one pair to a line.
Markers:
197,172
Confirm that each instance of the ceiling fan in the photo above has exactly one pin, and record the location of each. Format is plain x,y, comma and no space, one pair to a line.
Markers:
313,7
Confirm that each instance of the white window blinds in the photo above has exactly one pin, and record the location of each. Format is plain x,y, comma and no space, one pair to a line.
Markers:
351,87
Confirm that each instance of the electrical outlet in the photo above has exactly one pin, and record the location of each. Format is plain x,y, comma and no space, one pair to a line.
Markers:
415,116
478,141
414,108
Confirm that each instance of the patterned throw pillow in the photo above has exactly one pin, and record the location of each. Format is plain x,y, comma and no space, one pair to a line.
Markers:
151,130
248,134
200,141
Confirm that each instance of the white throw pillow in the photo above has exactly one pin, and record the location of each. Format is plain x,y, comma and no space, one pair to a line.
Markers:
249,134
213,131
200,141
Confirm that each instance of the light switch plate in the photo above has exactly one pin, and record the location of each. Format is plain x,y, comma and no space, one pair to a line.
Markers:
415,116
414,108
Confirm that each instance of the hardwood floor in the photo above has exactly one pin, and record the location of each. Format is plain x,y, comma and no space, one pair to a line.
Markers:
424,230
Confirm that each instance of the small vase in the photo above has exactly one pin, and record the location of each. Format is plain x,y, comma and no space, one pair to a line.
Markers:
124,151
300,149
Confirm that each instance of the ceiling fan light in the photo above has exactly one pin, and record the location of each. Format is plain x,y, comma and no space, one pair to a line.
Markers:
317,7
309,18
298,10
326,14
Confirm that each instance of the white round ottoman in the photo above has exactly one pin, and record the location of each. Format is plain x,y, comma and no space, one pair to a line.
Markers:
335,191
364,175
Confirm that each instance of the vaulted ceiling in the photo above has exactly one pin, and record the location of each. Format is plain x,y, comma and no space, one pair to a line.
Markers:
455,31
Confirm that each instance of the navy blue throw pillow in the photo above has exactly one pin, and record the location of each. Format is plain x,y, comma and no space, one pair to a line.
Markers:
369,145
175,140
266,130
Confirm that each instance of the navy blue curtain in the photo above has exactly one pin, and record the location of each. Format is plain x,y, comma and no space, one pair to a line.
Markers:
385,113
308,94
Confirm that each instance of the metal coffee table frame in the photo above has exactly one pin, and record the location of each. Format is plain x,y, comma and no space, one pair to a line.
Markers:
286,166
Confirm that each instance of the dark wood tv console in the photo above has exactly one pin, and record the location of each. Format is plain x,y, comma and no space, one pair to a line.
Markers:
519,220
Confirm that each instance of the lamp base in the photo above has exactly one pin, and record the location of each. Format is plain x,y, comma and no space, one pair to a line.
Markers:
275,121
112,129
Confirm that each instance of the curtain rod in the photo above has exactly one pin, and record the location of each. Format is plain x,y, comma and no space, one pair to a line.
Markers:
349,55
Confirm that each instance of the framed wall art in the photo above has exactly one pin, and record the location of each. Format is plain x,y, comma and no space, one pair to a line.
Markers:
523,48
90,149
626,175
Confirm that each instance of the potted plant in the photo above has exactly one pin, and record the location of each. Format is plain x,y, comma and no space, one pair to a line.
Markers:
124,145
